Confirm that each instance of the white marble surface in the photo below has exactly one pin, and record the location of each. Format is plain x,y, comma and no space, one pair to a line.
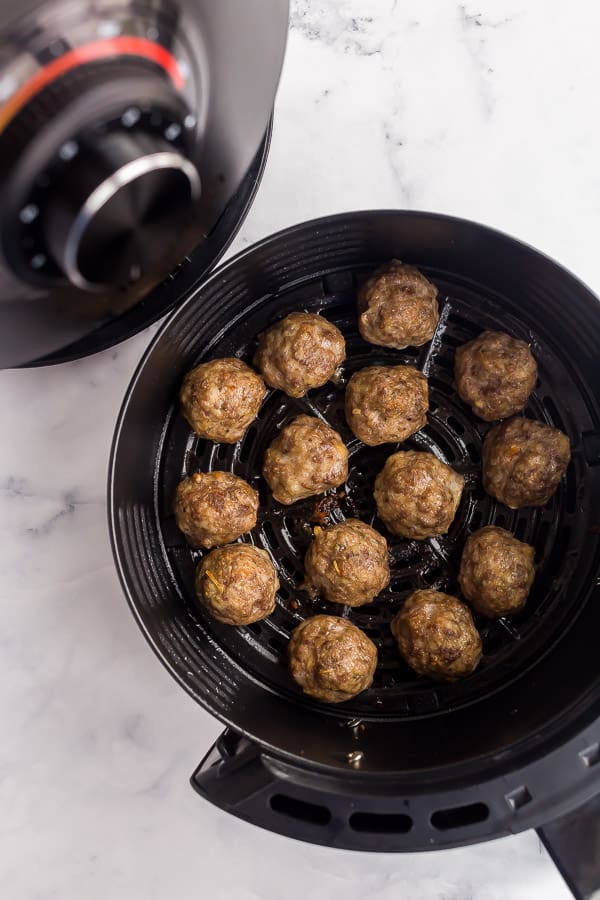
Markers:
483,109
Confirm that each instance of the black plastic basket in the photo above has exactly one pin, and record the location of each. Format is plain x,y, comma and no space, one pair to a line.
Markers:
408,764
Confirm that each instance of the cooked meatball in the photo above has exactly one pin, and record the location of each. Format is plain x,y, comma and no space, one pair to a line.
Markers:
496,572
495,374
221,398
213,508
307,458
397,307
331,659
524,461
299,353
386,403
436,636
417,495
347,563
237,584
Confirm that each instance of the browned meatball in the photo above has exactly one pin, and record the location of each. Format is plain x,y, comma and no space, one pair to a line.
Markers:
307,458
386,403
436,636
221,398
299,353
347,563
417,495
523,462
331,659
397,307
495,374
237,584
213,508
496,572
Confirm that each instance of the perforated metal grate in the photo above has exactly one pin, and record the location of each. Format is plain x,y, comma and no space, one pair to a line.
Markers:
452,434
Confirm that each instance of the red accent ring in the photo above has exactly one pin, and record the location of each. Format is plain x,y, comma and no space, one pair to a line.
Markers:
117,46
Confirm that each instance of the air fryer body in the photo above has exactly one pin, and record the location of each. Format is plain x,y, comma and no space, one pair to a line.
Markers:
125,130
410,764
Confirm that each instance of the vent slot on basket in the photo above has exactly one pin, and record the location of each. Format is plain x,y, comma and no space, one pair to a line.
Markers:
556,559
455,424
459,816
300,809
278,645
520,528
550,406
247,443
571,485
380,823
591,447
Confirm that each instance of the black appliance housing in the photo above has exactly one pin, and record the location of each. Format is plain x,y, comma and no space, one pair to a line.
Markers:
409,765
132,139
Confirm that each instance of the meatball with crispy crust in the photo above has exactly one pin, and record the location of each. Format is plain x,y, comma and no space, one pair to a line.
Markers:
397,307
299,353
524,461
495,374
347,563
214,508
306,458
386,403
221,398
436,636
237,584
331,659
496,572
417,495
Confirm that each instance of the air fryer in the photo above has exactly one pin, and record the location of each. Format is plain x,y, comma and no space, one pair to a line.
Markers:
133,137
409,764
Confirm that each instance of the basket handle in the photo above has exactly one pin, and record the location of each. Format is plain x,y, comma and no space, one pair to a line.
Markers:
573,842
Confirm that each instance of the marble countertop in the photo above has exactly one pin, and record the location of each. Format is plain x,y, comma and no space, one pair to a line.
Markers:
485,110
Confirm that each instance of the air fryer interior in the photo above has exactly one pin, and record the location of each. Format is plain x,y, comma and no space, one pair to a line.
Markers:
539,669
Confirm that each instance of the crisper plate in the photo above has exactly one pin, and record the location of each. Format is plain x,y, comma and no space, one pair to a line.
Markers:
485,280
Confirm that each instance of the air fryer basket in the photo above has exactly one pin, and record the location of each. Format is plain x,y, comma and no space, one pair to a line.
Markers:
536,694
